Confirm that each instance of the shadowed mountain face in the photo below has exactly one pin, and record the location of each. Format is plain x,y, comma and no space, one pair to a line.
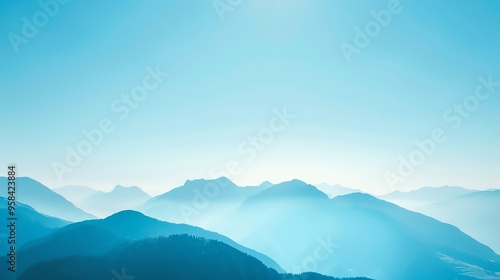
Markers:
353,235
98,237
30,224
173,257
46,201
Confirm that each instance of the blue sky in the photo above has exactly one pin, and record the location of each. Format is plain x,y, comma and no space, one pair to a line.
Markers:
353,120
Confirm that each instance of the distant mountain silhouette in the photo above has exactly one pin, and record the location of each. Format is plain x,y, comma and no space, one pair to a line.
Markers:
475,213
30,224
294,189
215,198
103,204
335,190
46,201
98,237
366,236
298,226
173,257
76,194
415,200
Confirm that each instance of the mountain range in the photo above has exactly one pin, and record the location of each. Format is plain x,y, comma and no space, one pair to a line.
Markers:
103,204
291,226
417,199
209,199
474,212
335,190
30,224
46,201
98,237
172,257
290,222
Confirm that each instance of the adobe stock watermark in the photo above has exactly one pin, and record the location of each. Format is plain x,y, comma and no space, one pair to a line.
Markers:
222,7
454,118
121,108
31,26
363,36
323,251
249,149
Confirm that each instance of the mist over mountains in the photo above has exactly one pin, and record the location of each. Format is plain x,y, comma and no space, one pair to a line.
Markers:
46,201
290,227
180,256
474,212
102,204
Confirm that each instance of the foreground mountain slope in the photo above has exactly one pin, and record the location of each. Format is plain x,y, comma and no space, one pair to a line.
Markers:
173,257
46,201
97,237
29,224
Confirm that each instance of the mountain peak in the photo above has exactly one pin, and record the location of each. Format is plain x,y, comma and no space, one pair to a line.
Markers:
132,189
358,195
359,198
47,201
292,189
120,187
127,216
223,182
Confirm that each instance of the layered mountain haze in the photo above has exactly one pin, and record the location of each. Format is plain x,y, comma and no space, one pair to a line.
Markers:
473,212
172,257
416,200
30,224
335,190
98,237
102,204
120,198
46,201
290,227
76,194
292,220
250,140
199,202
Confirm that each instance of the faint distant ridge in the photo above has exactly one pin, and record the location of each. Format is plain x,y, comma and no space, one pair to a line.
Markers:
415,200
474,213
46,201
335,190
102,204
210,196
291,189
30,224
429,193
76,194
